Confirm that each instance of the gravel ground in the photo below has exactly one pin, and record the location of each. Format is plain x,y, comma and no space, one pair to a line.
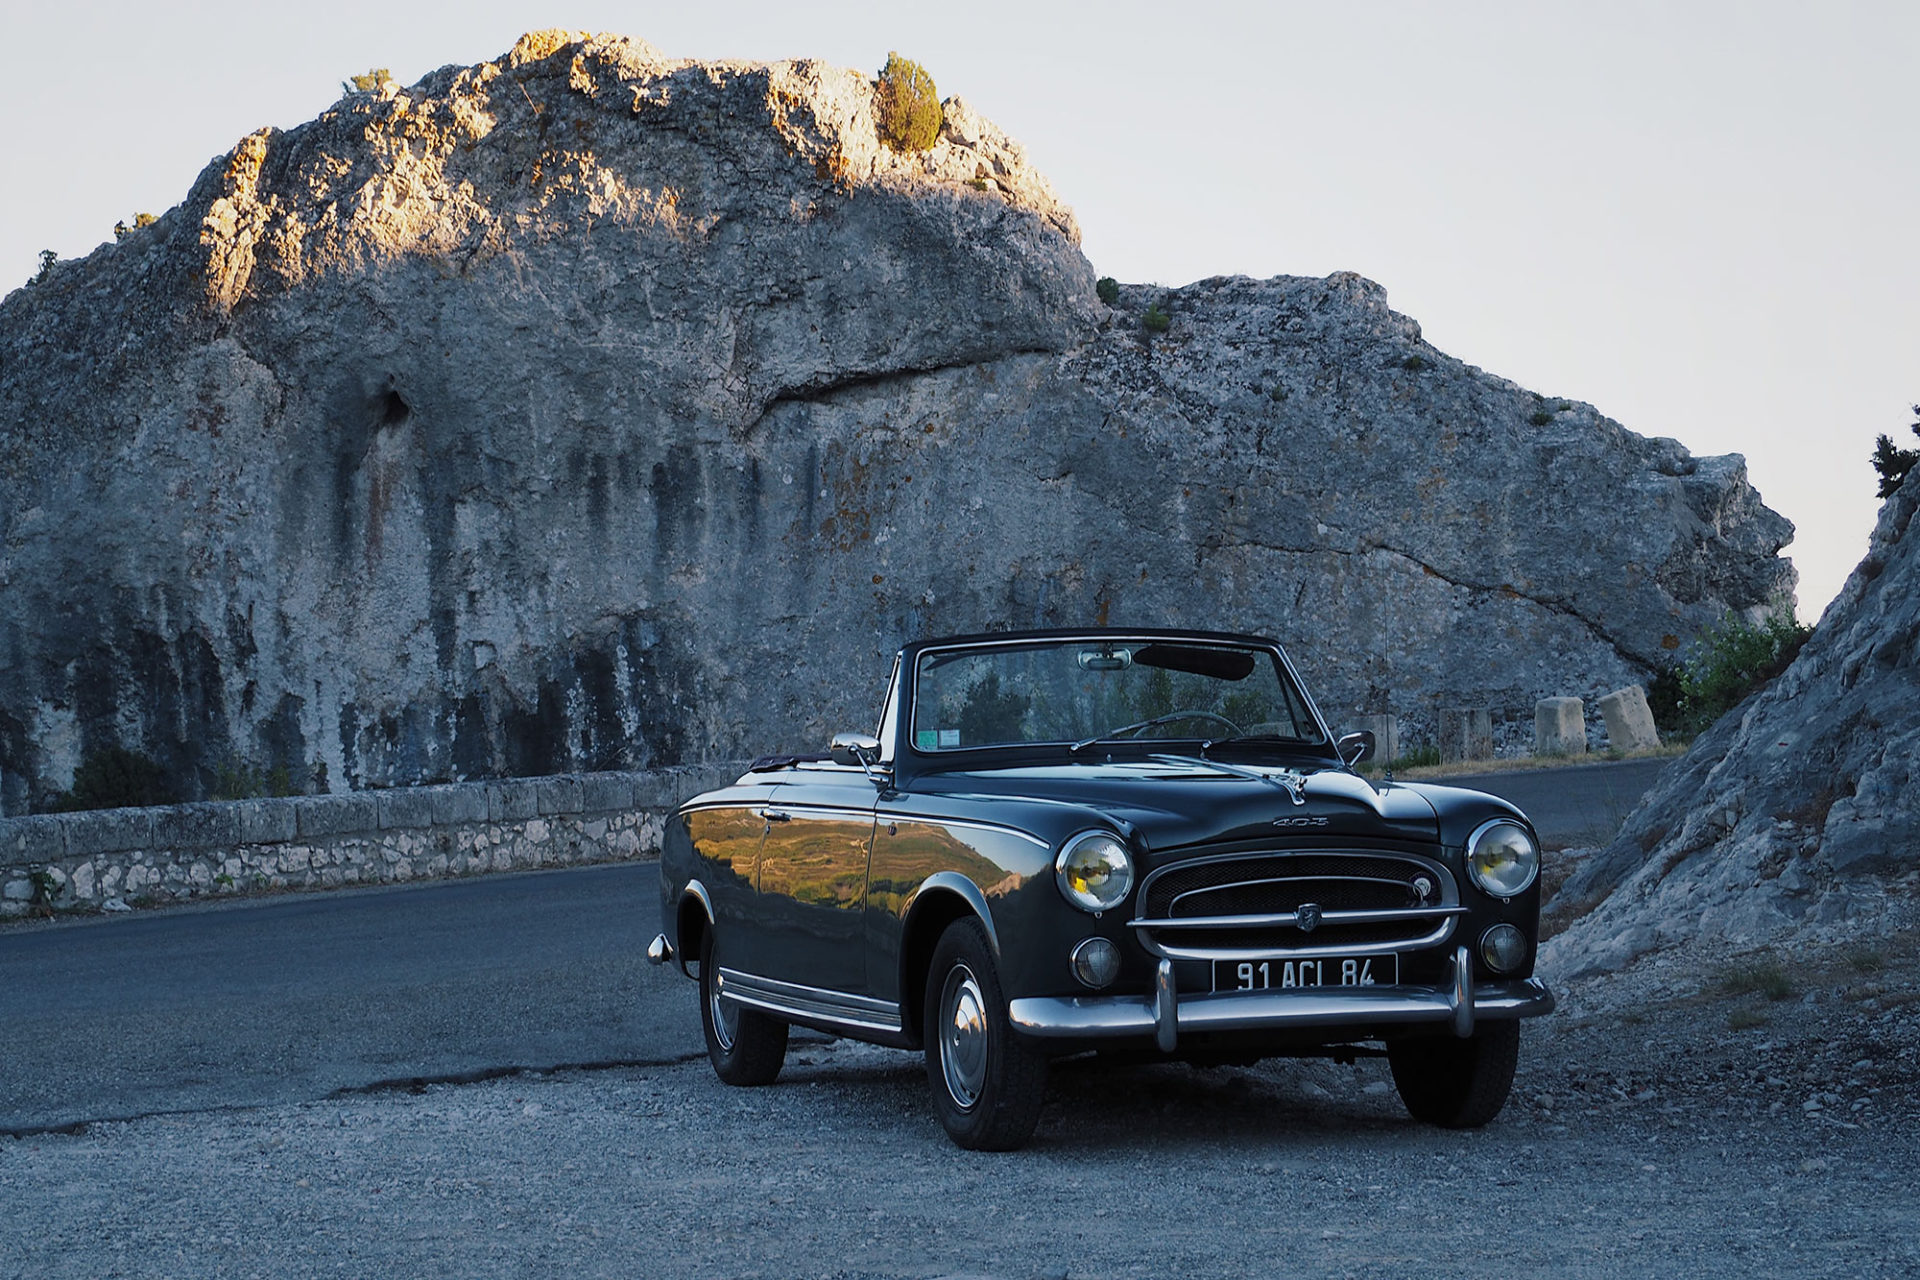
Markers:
1677,1119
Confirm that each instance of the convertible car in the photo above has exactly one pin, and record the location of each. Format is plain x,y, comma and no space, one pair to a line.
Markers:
1138,841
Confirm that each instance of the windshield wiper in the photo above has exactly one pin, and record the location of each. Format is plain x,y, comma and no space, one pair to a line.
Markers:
1131,728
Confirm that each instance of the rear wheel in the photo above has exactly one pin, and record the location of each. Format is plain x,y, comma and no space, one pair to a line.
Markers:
1457,1084
988,1085
746,1047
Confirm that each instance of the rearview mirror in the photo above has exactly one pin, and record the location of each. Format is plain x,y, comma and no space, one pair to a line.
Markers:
1356,747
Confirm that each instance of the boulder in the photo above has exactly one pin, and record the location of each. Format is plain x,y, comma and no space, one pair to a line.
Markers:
591,409
1559,727
1796,817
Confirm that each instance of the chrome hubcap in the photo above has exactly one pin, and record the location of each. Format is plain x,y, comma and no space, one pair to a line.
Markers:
725,1015
963,1036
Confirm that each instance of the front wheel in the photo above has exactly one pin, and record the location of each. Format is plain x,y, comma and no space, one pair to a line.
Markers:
745,1046
1457,1084
988,1085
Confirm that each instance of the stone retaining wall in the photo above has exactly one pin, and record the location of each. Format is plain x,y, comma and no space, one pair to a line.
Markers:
112,858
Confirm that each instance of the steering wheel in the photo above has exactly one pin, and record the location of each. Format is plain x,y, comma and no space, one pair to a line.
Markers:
1188,714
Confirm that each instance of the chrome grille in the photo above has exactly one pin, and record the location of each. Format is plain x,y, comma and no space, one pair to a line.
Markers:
1247,905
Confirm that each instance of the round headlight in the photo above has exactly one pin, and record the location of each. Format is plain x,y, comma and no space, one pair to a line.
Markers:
1502,858
1094,871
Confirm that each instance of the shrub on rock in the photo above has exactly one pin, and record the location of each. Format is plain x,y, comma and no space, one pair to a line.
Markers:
907,106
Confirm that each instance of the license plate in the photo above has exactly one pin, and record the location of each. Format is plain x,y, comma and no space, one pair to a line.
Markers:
1325,971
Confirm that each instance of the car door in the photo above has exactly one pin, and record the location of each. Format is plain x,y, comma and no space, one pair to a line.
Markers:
816,842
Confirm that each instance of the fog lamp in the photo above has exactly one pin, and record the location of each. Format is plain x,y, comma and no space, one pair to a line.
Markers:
1504,948
1096,962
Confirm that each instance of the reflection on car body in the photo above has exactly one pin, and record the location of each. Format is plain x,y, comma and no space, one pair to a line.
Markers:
1121,839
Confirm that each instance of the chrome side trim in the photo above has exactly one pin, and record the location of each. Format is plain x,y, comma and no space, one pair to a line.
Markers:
922,819
796,1000
1358,1009
773,805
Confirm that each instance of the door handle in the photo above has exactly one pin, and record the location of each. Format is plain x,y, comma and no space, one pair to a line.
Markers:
774,815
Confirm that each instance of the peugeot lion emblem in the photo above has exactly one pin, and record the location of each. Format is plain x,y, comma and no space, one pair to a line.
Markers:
1307,916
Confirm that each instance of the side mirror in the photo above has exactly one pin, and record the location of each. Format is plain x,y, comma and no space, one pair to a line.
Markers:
1356,747
855,749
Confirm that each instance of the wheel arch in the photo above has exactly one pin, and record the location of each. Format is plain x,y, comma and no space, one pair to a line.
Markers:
694,919
941,899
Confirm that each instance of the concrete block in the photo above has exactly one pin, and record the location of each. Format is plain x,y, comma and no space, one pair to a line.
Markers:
459,804
1386,736
211,825
558,794
512,800
604,792
1629,720
39,838
1559,727
108,831
404,807
269,821
336,815
1466,733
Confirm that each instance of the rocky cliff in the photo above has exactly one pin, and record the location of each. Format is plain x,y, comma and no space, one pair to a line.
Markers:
1797,816
592,409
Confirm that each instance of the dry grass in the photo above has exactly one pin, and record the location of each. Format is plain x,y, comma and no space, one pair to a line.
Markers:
1523,764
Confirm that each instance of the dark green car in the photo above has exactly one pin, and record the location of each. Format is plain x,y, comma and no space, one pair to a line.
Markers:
1141,840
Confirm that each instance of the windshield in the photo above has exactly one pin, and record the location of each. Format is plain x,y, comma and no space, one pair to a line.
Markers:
1079,692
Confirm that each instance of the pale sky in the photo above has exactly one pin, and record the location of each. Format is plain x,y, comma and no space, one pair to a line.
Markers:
1698,217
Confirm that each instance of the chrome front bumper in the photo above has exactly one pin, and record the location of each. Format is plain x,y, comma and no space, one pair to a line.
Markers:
1165,1014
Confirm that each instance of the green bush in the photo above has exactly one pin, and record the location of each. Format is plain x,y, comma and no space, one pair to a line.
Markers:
1415,364
47,258
1155,319
366,83
1892,462
907,106
115,778
1727,662
1109,290
1539,417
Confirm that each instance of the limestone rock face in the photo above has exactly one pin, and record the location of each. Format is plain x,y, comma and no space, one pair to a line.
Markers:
1798,814
591,409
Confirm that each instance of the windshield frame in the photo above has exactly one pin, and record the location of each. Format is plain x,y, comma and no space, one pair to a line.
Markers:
911,759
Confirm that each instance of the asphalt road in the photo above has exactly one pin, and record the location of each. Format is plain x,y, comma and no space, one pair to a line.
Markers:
291,999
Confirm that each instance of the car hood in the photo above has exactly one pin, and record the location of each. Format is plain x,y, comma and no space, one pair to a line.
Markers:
1174,802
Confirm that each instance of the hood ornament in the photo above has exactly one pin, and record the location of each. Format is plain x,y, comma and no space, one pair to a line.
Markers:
1294,784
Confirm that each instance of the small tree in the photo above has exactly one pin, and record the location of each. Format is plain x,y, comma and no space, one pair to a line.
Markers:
368,82
907,106
1893,462
47,258
1109,290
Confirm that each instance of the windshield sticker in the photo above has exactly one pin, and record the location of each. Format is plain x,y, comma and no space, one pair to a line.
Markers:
949,738
926,740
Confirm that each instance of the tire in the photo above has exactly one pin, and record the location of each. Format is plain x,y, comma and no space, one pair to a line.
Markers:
988,1085
1457,1084
746,1047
